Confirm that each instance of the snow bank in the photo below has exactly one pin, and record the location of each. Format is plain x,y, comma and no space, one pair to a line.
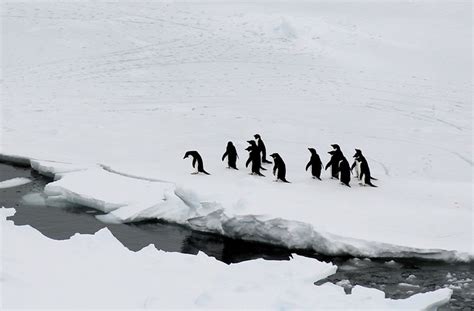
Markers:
129,199
14,182
96,271
133,86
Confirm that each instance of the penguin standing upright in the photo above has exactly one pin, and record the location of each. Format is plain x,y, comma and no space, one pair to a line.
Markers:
253,146
231,154
196,159
356,165
262,148
336,157
254,158
344,171
279,167
315,163
364,170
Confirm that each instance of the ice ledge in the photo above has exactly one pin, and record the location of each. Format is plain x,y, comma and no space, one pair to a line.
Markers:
128,198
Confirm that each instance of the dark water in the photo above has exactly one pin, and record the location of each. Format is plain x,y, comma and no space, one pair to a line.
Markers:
399,279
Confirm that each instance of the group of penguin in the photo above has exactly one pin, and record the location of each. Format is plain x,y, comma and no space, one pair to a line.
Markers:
338,163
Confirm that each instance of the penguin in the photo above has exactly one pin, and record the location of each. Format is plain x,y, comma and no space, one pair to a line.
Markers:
279,165
315,163
261,148
232,156
253,145
364,170
196,158
356,164
336,157
254,157
344,171
358,158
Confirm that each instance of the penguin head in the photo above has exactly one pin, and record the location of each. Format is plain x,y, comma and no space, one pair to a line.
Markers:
312,150
229,144
275,155
336,146
186,155
252,142
257,136
357,154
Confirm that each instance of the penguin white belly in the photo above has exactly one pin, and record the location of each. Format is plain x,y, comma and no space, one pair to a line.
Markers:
357,169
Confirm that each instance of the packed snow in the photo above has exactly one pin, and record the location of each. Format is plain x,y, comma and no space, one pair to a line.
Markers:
116,92
14,182
98,272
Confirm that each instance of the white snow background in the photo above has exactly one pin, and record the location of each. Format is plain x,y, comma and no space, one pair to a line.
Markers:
116,92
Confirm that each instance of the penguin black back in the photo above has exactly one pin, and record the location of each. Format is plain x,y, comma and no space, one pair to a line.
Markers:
231,154
336,157
344,171
315,164
253,147
279,167
196,160
254,158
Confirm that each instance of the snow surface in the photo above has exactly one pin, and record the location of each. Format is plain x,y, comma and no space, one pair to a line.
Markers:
133,85
98,272
14,182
